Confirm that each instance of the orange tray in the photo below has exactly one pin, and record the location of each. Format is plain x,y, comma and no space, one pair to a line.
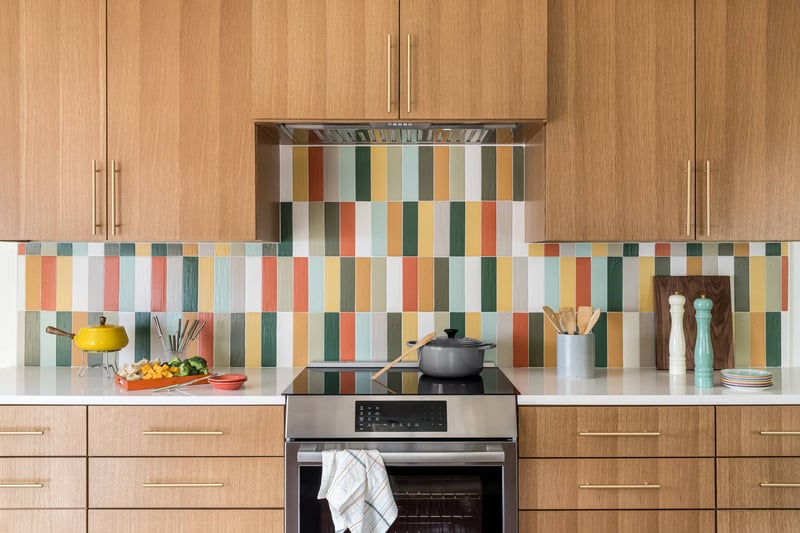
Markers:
141,384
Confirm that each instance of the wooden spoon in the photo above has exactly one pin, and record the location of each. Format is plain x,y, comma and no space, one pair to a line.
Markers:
422,342
568,319
592,321
584,315
552,318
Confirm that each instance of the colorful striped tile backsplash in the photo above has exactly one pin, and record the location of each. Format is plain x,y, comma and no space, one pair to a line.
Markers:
382,245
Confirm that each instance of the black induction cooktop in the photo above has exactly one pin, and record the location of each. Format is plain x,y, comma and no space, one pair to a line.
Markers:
408,381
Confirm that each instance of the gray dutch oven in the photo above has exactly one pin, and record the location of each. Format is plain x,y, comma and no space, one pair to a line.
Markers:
451,357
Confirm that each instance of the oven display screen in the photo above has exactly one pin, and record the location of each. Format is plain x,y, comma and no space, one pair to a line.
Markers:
401,416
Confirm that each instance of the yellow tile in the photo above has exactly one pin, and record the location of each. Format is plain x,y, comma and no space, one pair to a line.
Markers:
425,229
599,250
505,177
614,340
189,250
549,346
784,248
410,331
472,216
252,340
647,269
300,339
741,249
144,249
472,324
441,173
33,283
378,173
205,284
64,283
504,289
300,173
694,266
567,282
758,295
410,383
758,338
536,250
222,249
332,284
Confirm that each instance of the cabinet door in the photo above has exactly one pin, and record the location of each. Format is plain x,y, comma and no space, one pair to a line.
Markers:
179,131
748,119
473,60
331,60
52,111
620,131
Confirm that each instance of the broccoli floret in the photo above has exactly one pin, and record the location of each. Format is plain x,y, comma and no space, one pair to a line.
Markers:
198,363
185,369
175,361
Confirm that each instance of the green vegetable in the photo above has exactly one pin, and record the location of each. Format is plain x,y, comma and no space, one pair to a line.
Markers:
175,361
185,369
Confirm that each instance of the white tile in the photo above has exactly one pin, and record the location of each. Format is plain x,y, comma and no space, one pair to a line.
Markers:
379,332
426,323
505,339
285,340
710,265
363,229
143,272
472,173
128,353
535,284
504,229
441,229
758,248
519,248
519,284
394,284
174,284
300,229
647,249
96,283
252,296
80,284
677,266
238,284
97,249
21,285
725,266
630,340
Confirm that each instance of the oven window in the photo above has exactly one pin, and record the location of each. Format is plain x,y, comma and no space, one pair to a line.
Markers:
429,499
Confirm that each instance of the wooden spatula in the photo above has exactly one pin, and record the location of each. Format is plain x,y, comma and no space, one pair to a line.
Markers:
592,321
552,317
584,315
568,319
423,341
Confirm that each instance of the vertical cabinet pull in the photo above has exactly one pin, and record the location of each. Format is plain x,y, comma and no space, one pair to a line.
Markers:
689,198
708,198
94,197
389,73
114,171
408,74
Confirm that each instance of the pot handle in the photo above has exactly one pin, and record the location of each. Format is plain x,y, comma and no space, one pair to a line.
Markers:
56,331
487,346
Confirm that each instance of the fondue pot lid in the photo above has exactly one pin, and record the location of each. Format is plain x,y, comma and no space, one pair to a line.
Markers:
451,341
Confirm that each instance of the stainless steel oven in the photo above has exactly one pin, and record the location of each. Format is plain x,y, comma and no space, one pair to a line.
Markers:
451,458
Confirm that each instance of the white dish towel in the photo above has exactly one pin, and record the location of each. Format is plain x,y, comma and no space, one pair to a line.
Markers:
357,488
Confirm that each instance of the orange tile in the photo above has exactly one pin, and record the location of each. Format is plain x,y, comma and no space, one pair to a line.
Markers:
394,229
614,340
488,229
583,281
741,249
300,285
425,283
410,290
694,266
189,249
662,249
520,339
363,286
441,173
111,284
347,229
758,339
269,284
300,339
158,284
551,250
505,175
347,336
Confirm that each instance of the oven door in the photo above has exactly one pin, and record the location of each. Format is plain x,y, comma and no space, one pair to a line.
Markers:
438,486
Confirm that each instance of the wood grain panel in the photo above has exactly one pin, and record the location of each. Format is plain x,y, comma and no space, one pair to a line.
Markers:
739,430
757,521
739,482
748,119
554,431
185,521
718,289
63,482
620,121
63,430
616,521
247,482
246,431
555,483
473,60
51,520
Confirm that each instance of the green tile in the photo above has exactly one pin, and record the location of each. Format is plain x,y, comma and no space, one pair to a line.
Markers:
65,249
694,249
285,247
394,334
237,339
330,383
600,331
63,344
363,174
773,283
190,273
630,250
662,266
410,231
614,249
518,174
331,228
347,283
773,323
32,340
33,248
489,284
174,249
488,173
772,248
426,173
111,249
536,339
741,283
725,249
457,229
269,339
441,284
459,321
156,250
142,349
269,249
125,249
331,350
614,284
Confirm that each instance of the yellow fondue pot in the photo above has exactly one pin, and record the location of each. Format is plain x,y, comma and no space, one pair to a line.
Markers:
101,338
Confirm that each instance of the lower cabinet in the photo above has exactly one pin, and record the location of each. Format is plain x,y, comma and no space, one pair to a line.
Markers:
185,521
758,521
617,521
50,520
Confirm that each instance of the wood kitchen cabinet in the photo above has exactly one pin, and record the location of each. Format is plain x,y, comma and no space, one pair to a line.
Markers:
345,60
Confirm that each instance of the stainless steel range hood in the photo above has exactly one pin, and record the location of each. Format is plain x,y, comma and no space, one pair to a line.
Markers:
403,133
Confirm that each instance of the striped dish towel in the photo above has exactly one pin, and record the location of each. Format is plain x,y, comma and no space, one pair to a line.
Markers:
357,488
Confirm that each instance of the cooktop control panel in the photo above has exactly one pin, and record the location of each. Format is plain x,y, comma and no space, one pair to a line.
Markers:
401,416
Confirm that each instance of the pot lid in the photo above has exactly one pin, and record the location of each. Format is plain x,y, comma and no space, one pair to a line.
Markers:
452,341
102,326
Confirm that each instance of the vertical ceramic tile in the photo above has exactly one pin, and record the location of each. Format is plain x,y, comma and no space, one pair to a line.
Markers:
677,266
741,283
64,283
362,284
378,171
647,339
48,283
425,155
504,172
425,286
363,229
96,285
646,289
285,283
630,280
785,284
615,340
252,328
31,327
772,283
425,229
539,343
79,320
615,286
757,284
786,335
286,177
410,228
301,354
488,229
410,292
441,229
363,336
457,273
347,174
238,275
694,266
379,229
504,353
503,218
331,170
741,339
473,229
410,173
772,339
378,287
252,283
316,228
222,285
473,179
519,325
347,336
299,227
519,247
158,283
394,177
300,285
110,284
127,283
379,327
518,173
457,229
316,337
488,173
583,281
552,282
394,229
630,340
347,228
394,335
332,285
332,219
347,284
316,177
63,344
300,173
284,341
394,284
441,284
536,284
457,173
600,331
504,284
758,343
441,173
517,284
472,323
269,339
471,284
567,282
488,284
269,284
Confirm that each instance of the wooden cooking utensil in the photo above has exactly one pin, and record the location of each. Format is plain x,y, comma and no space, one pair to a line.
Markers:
584,315
592,321
422,342
552,317
568,319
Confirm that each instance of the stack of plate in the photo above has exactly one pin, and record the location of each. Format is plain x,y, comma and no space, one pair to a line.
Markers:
745,378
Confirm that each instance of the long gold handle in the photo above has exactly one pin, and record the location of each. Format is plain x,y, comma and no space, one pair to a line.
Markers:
796,433
94,197
185,485
637,486
167,432
781,485
689,198
708,198
21,485
114,197
408,74
21,432
389,73
620,434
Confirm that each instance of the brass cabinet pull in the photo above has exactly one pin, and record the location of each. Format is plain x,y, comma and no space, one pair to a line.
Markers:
94,197
13,433
114,171
708,198
389,73
21,485
180,485
636,486
619,434
408,74
795,433
689,198
781,485
168,432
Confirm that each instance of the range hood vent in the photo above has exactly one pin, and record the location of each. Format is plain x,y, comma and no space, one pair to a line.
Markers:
400,133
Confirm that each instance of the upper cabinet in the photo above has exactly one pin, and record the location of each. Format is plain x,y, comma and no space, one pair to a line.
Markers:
664,123
341,60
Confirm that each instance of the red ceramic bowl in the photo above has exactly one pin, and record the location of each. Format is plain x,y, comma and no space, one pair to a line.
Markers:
227,381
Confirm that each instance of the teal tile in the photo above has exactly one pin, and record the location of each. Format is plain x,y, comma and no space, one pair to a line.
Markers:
457,228
111,249
489,284
253,249
457,287
394,334
583,249
600,331
63,344
488,173
614,284
459,321
238,336
600,282
222,284
347,284
518,174
363,173
363,336
32,340
316,284
725,249
630,250
347,173
394,174
269,339
64,249
174,249
773,334
285,247
741,283
536,339
410,228
410,173
662,266
331,228
425,173
694,249
441,284
156,250
125,249
190,272
552,277
80,249
142,348
772,248
127,283
489,334
378,229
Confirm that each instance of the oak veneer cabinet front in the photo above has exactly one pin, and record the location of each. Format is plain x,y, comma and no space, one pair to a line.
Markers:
135,521
343,60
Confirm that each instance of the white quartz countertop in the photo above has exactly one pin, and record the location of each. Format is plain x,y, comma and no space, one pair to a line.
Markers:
645,386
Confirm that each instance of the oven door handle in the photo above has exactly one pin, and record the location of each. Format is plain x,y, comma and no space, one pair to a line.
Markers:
441,458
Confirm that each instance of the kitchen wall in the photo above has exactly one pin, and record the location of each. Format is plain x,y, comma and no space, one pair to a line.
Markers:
382,245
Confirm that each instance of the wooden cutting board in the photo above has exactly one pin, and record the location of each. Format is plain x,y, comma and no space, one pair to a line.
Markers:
718,289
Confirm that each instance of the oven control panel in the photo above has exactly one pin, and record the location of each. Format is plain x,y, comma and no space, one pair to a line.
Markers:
401,416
